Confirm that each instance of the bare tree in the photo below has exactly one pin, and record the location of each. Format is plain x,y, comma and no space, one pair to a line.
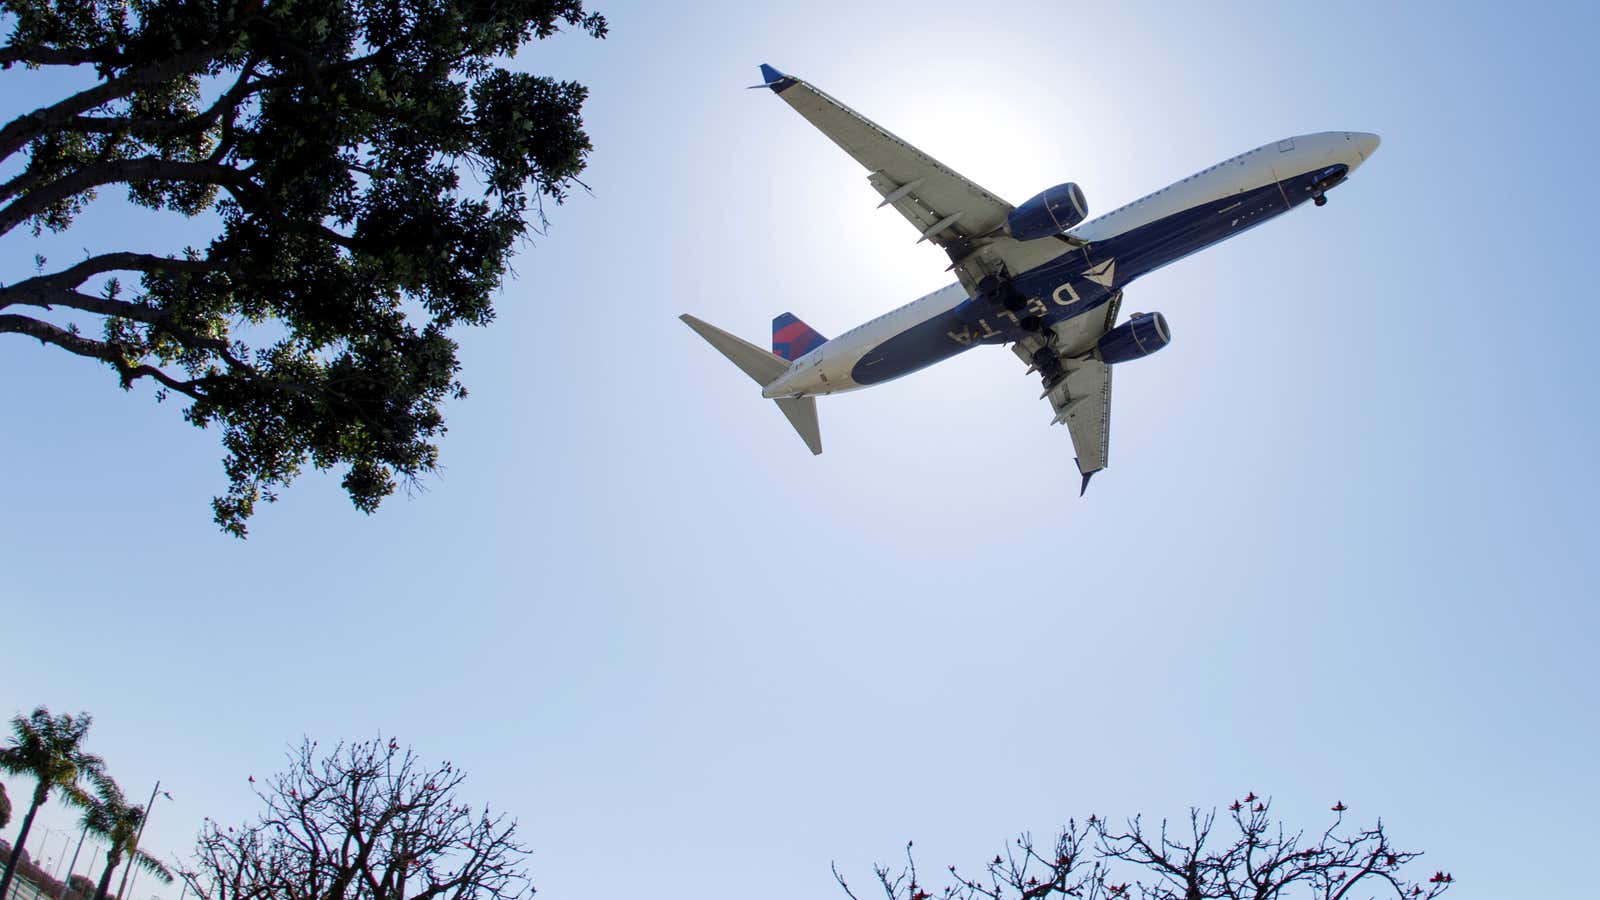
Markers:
1256,859
365,821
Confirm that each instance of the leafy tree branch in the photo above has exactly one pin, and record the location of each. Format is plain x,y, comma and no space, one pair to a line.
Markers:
328,140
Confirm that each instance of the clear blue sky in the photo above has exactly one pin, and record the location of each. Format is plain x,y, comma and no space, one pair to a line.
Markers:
1345,548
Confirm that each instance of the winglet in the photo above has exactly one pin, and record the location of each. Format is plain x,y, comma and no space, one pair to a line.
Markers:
1085,485
772,78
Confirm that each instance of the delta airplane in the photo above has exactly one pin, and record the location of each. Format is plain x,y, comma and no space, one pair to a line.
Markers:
1035,276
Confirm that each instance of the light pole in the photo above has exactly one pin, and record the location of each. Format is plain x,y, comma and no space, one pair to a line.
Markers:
133,852
66,883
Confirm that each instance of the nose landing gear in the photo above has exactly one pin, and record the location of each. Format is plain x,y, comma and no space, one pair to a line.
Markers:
1330,177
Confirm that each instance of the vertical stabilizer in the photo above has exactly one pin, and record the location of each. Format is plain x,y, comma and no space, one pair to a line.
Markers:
792,338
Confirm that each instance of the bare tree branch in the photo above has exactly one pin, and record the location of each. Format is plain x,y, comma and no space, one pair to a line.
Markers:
1262,861
366,821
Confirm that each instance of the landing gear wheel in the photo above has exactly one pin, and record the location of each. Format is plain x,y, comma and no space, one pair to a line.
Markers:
1031,323
1320,200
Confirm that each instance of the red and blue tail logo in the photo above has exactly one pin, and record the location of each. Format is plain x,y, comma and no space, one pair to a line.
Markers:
792,338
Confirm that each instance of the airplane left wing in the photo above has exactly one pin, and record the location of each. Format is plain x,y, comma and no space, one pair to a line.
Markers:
1082,400
948,210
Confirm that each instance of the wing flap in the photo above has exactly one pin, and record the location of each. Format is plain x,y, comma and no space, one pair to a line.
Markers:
1085,404
1082,401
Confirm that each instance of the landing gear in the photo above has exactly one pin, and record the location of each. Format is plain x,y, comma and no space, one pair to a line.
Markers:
1048,365
1032,324
997,290
1320,199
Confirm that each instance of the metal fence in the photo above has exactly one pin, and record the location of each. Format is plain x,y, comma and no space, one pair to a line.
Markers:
23,889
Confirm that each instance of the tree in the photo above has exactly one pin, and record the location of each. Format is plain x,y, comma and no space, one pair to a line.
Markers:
365,820
48,749
5,807
81,886
1258,859
369,167
117,822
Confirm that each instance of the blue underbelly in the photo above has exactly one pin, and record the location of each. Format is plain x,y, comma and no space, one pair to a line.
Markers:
917,347
1059,290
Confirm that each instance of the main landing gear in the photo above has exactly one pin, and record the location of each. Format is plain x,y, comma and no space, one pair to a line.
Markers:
1048,365
998,291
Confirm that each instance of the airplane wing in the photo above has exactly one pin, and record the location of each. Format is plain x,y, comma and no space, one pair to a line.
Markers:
1082,400
945,208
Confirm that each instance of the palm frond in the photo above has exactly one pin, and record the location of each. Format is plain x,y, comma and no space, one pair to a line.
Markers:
73,795
13,761
154,866
103,782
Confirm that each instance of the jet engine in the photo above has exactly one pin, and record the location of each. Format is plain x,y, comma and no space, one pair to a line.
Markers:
1047,213
1140,336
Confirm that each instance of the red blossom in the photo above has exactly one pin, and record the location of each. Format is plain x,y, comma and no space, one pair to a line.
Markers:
1339,807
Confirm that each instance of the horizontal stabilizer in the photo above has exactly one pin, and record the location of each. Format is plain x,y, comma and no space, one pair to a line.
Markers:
802,414
765,368
754,361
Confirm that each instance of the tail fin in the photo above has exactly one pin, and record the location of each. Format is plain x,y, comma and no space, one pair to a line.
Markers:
765,368
792,338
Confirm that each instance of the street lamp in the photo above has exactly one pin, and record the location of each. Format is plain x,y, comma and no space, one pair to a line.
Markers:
66,883
133,852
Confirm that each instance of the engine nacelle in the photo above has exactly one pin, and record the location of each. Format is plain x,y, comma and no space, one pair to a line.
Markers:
1048,213
1140,336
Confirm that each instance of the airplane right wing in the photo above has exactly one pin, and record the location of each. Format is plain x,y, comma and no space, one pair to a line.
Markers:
951,211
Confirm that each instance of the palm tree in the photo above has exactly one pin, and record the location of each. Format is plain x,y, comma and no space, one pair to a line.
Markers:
113,819
49,749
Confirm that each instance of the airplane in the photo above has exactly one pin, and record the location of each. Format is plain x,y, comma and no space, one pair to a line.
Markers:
1036,276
